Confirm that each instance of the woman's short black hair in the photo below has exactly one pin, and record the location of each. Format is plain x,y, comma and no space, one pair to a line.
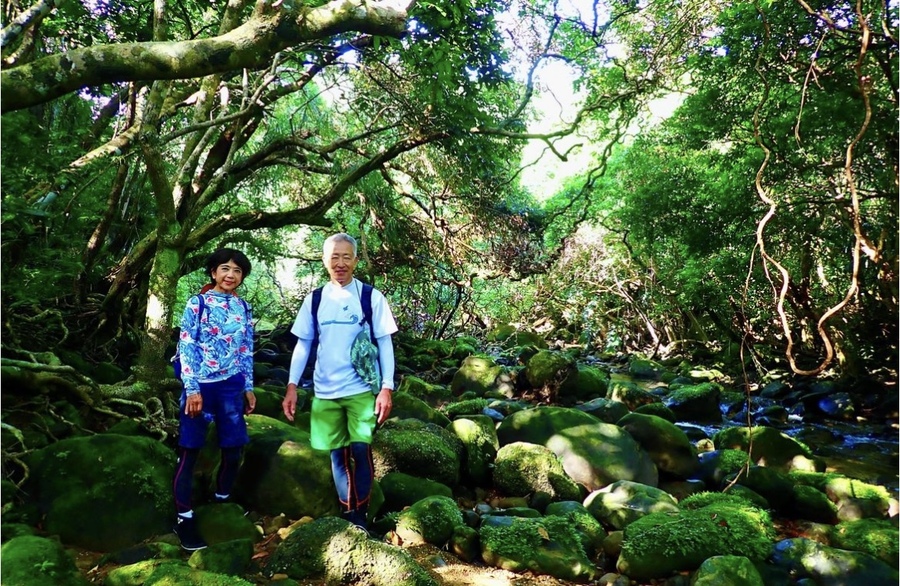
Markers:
223,255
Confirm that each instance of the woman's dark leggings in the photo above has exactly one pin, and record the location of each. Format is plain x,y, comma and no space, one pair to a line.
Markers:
184,473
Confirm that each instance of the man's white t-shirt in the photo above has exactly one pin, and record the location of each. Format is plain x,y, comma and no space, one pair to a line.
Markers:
340,314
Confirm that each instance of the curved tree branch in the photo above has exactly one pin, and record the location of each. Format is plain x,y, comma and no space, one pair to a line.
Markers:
273,27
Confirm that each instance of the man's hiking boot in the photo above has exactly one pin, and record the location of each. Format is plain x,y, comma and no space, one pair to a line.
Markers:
186,530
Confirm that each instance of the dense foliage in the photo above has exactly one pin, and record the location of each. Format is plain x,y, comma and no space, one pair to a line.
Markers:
763,212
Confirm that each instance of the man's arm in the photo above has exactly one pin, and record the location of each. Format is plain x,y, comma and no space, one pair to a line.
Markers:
298,362
384,403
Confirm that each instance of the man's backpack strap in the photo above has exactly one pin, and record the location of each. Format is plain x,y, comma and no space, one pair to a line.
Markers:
366,299
316,301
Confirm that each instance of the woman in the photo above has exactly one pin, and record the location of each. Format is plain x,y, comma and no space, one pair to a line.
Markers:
215,348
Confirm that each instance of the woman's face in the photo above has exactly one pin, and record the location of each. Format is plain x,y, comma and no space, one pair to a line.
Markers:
227,277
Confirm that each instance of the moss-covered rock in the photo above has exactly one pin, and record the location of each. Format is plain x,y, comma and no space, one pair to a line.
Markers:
549,545
465,407
717,465
167,573
280,472
402,490
478,435
658,410
227,557
624,502
644,368
592,453
727,570
660,544
813,505
225,522
478,374
465,544
668,446
430,393
590,531
770,447
30,560
406,406
696,403
605,410
847,492
521,468
332,549
876,537
629,394
549,368
431,520
830,566
419,449
588,382
119,486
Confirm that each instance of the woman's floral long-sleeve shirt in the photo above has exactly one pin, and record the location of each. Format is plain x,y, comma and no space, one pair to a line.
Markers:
224,346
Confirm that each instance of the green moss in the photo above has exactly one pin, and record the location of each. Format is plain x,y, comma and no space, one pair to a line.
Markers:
36,561
433,518
521,468
662,543
876,537
704,499
841,486
694,391
469,407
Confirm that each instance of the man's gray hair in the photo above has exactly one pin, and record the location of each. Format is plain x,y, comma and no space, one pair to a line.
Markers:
339,237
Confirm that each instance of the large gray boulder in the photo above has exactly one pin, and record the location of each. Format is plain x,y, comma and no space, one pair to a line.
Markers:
592,453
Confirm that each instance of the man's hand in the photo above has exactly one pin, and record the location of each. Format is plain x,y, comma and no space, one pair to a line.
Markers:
250,402
289,404
383,405
193,406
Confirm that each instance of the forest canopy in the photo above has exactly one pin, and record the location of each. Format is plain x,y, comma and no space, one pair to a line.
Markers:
756,222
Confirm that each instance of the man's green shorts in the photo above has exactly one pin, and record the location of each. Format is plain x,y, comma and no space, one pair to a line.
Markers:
335,423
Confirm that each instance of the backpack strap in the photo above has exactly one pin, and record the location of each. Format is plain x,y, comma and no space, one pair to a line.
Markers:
366,299
316,301
202,305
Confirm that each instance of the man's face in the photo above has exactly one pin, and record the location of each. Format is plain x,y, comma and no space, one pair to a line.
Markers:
340,262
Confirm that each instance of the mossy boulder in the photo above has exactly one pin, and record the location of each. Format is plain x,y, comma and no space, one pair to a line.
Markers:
521,468
624,502
727,570
586,383
848,493
168,572
119,486
812,504
332,549
431,520
668,446
773,485
548,545
225,522
696,403
30,560
478,435
406,406
876,537
660,544
465,407
419,449
402,490
829,566
592,453
548,368
770,447
644,368
606,410
657,409
430,393
629,394
590,531
226,557
280,472
478,374
717,465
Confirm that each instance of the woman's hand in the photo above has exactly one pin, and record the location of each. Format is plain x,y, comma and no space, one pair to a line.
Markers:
193,406
250,402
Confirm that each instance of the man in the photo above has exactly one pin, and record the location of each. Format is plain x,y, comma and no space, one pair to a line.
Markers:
344,410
